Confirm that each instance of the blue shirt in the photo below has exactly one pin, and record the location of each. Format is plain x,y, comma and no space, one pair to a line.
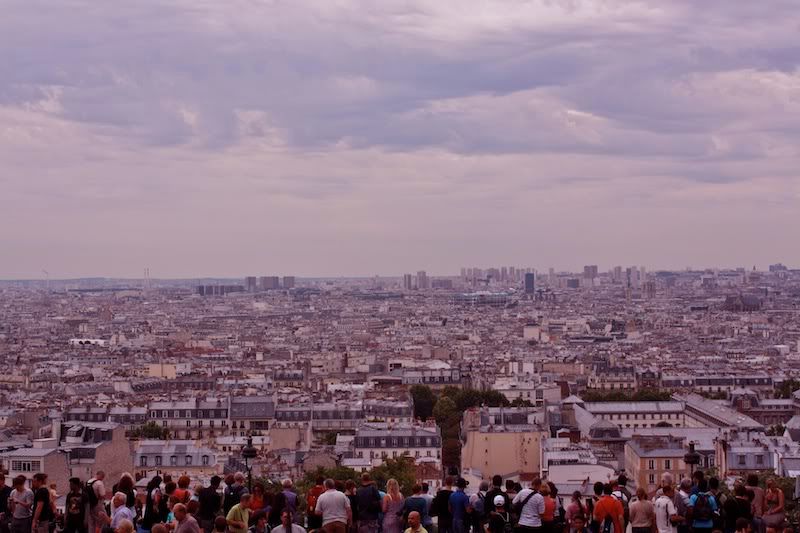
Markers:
459,503
712,502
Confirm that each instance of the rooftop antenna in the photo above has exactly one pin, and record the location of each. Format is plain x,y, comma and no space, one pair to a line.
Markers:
47,279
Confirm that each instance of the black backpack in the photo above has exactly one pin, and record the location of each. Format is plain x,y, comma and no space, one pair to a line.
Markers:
233,495
608,526
91,495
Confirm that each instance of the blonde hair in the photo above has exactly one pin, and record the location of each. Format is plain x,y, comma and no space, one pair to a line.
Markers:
393,488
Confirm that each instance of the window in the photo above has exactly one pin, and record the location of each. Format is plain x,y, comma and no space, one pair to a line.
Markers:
26,466
205,460
651,479
667,464
158,460
742,460
651,464
173,460
759,459
143,461
188,460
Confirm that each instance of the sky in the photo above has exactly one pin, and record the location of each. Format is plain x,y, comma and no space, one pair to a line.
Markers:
350,137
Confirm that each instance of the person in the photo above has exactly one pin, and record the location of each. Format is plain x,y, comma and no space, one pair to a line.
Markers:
239,515
257,498
186,523
774,515
477,503
531,507
259,520
334,508
608,511
621,492
459,507
210,504
642,513
220,525
183,492
75,507
5,494
20,504
234,491
665,510
285,499
702,506
287,524
43,505
549,514
96,516
392,507
426,494
577,513
591,502
416,503
121,511
713,489
350,491
125,526
743,525
735,508
758,503
440,506
368,501
152,505
127,486
496,490
682,505
168,501
499,519
314,520
415,523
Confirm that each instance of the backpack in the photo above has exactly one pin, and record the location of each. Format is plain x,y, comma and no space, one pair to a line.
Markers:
508,525
91,495
702,511
607,526
232,496
479,509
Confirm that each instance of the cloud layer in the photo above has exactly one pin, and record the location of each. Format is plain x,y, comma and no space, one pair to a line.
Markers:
359,137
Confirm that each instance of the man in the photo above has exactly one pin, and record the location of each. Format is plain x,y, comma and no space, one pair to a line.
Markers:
75,508
314,520
703,506
531,507
428,497
743,526
496,490
43,505
210,504
96,516
608,511
459,507
415,523
758,503
5,492
666,513
20,504
121,511
289,496
477,502
287,524
499,519
234,491
125,526
416,503
682,504
368,500
186,522
239,516
440,506
334,507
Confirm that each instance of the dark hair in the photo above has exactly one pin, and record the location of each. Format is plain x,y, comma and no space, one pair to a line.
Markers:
553,489
713,483
365,477
509,484
320,480
425,488
517,487
416,488
742,523
577,495
752,480
448,481
125,484
497,481
170,487
184,481
740,491
215,481
192,507
40,477
154,483
702,485
75,481
698,475
349,484
608,489
167,478
622,479
19,480
220,524
258,515
598,488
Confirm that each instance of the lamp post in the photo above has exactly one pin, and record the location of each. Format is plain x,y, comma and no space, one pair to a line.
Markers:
691,458
248,454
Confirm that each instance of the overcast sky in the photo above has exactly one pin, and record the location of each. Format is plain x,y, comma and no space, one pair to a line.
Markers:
346,137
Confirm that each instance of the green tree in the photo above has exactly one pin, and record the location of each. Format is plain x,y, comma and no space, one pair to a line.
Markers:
150,430
520,402
451,453
445,410
330,438
402,469
786,388
424,401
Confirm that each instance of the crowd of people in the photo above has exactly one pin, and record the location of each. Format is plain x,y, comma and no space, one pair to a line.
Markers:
694,505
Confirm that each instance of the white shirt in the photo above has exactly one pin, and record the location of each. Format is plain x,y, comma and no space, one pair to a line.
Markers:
532,511
665,508
295,529
122,513
333,506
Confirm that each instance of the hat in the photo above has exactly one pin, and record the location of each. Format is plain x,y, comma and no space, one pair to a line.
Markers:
462,483
499,500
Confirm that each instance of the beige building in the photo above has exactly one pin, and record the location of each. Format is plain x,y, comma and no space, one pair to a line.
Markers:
501,441
646,458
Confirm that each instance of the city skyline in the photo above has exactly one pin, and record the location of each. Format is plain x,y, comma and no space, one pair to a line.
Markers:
355,138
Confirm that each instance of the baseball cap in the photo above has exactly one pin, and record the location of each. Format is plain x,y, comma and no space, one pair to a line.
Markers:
499,500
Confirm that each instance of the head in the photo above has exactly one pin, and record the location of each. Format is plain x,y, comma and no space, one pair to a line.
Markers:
743,525
365,479
598,488
244,501
536,484
167,478
393,487
154,483
287,484
119,499
124,526
320,481
497,481
193,507
499,503
686,485
100,475
544,490
179,510
350,486
183,482
739,491
448,481
702,485
509,485
414,520
230,479
416,489
461,483
260,519
126,483
220,524
75,484
698,476
667,480
713,484
608,489
770,483
425,488
668,490
641,493
39,480
258,489
752,480
330,484
553,489
215,481
161,528
238,478
577,496
484,486
622,480
286,519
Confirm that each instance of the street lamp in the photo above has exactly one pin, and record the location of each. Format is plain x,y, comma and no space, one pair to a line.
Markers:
248,454
691,458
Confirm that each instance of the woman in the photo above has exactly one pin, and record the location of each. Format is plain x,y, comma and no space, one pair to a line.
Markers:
126,486
642,513
183,492
152,505
257,498
350,491
774,515
577,511
548,517
735,508
392,508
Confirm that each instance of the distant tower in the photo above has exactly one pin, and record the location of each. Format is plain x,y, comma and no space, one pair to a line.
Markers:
530,283
422,280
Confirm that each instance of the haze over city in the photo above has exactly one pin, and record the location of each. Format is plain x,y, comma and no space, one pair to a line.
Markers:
359,138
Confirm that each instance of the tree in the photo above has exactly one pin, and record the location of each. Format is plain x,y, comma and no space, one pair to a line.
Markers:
401,469
150,430
786,388
451,453
776,431
520,402
445,410
424,401
330,438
